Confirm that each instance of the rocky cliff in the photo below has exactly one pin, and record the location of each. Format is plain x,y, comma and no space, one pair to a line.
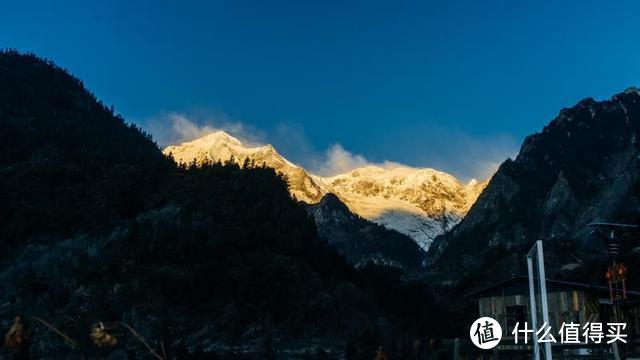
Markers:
582,167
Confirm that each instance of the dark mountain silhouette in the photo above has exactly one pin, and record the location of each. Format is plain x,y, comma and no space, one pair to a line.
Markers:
583,167
96,225
362,241
67,162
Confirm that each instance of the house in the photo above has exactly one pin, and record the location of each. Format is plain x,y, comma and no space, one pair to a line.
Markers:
507,301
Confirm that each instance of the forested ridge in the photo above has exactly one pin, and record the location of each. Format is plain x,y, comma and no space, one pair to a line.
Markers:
96,225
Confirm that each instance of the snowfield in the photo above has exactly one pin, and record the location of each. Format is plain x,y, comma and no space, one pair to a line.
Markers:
421,203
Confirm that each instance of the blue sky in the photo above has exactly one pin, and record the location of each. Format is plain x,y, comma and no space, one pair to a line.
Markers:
449,84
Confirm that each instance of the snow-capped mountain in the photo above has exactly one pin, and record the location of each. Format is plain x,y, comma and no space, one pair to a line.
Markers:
420,203
222,146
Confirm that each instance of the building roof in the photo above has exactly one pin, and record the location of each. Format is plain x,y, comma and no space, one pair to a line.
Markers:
555,283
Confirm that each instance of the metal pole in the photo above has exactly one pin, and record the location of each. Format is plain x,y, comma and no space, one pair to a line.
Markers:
543,296
534,311
456,349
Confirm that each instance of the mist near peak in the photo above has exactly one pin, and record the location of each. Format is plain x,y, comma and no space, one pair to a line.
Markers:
467,158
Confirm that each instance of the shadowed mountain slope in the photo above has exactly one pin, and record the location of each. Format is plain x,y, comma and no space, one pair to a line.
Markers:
362,241
97,225
582,167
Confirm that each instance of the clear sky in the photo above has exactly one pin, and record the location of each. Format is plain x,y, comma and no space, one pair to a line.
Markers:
449,84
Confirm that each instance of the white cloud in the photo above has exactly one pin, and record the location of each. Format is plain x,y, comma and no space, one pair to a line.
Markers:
337,160
174,128
184,129
463,155
291,141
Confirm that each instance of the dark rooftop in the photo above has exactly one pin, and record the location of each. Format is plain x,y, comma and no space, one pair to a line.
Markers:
554,284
